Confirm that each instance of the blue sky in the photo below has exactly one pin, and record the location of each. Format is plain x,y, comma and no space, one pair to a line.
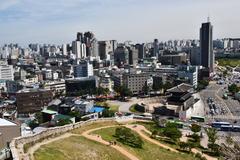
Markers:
57,21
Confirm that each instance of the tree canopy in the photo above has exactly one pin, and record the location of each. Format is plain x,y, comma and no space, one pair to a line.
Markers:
128,137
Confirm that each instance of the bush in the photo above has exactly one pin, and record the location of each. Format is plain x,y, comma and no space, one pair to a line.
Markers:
172,131
128,137
108,113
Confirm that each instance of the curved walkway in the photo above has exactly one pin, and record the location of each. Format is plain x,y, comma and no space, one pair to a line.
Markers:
87,134
140,128
98,138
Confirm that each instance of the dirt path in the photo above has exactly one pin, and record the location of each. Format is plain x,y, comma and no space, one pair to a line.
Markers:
87,134
34,148
140,128
98,138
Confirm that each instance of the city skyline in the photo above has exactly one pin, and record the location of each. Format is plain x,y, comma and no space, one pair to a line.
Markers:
56,22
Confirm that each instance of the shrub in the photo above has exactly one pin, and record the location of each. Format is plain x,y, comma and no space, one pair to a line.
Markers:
128,137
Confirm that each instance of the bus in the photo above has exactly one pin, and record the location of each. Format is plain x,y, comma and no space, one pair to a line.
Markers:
236,129
218,125
226,128
198,118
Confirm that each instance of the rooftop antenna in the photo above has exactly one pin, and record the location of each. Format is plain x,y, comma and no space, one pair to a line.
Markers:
208,18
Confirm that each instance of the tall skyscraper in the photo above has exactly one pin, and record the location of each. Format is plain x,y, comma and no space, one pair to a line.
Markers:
206,46
155,48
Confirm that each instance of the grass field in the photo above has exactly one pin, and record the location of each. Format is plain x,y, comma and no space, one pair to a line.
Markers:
228,62
77,148
148,152
94,125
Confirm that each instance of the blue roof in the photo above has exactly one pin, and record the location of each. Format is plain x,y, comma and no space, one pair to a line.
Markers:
96,109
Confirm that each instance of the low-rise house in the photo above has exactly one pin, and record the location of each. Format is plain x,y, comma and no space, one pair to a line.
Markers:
83,106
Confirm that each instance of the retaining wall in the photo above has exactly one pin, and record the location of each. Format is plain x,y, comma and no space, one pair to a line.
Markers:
17,144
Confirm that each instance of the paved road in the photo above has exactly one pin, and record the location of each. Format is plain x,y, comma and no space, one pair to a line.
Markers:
124,106
223,108
231,106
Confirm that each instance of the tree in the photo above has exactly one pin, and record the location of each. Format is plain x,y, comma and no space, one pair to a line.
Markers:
39,117
233,88
212,137
154,134
183,145
75,114
102,91
157,86
172,131
63,122
123,91
108,113
33,124
167,86
128,137
146,89
195,128
202,84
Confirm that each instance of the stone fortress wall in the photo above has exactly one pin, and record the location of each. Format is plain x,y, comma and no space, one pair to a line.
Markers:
17,144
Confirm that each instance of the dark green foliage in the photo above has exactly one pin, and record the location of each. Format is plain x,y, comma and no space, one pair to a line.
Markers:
108,113
185,146
75,114
212,138
123,91
202,84
102,91
128,137
157,86
33,124
167,86
39,117
171,131
63,122
233,88
195,128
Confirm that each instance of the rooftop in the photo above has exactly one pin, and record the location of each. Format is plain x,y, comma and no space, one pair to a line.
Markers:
181,88
4,122
49,111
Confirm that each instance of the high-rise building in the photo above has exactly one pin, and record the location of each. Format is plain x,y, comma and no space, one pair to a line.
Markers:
133,56
76,49
141,50
64,49
155,48
206,46
79,49
121,56
80,37
106,49
6,72
83,69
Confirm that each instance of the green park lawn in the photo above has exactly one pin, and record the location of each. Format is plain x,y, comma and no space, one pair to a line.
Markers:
77,148
229,62
94,125
149,151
